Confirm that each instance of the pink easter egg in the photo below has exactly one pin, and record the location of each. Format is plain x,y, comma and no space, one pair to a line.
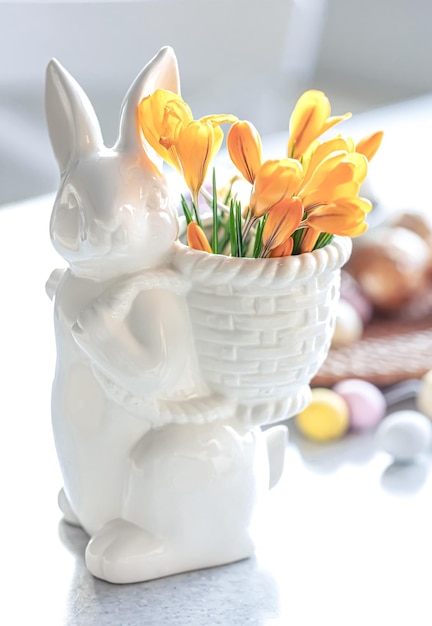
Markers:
366,403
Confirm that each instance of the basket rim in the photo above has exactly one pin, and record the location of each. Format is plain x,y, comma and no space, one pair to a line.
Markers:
338,241
202,266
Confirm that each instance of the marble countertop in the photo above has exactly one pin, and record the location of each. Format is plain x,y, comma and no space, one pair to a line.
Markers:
344,539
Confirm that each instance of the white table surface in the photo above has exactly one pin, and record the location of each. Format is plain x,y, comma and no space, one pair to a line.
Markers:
345,539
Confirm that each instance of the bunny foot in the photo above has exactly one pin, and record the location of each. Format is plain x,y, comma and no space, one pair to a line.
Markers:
122,552
64,506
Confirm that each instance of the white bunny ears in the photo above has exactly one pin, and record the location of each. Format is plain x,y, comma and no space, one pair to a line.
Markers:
73,126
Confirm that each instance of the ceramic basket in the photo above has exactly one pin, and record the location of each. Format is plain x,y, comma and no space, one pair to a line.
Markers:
263,327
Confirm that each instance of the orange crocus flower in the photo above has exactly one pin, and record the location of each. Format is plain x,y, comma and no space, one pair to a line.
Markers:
244,147
282,220
197,144
309,239
196,238
284,249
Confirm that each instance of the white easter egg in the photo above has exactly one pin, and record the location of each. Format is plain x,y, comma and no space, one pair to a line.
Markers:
424,395
404,435
349,325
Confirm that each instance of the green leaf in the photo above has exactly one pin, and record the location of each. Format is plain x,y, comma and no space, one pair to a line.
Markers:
215,241
232,229
228,196
323,240
297,237
196,213
258,237
238,226
186,210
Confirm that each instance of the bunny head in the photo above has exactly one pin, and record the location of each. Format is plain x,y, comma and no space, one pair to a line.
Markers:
112,214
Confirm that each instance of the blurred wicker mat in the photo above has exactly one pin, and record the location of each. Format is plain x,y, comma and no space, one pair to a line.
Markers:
391,350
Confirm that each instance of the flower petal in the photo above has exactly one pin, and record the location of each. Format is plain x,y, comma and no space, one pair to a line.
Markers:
284,249
196,238
370,144
217,120
274,181
321,152
309,239
360,164
322,171
344,217
330,192
282,220
306,122
332,121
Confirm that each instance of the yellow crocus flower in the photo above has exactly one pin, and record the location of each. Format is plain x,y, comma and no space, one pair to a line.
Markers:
342,217
309,120
186,144
274,181
244,147
197,144
160,117
196,238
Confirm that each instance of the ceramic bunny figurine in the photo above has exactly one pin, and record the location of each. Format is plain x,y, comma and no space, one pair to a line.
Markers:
157,469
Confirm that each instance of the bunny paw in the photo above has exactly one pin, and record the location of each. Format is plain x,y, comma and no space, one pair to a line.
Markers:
122,552
65,507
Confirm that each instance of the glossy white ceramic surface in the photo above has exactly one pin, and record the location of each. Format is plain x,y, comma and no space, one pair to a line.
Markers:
168,360
343,539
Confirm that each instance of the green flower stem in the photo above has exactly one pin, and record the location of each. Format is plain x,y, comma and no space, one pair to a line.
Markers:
186,210
232,230
195,204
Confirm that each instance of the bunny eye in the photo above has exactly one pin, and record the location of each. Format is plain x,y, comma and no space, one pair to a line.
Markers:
73,204
68,224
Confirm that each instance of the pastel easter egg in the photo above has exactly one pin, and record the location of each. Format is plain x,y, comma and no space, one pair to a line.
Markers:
352,293
366,403
424,395
325,418
404,435
348,327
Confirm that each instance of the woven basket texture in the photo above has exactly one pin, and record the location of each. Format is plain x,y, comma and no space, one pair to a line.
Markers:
263,327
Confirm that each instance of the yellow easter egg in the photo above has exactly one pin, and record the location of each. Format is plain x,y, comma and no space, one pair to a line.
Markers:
325,418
